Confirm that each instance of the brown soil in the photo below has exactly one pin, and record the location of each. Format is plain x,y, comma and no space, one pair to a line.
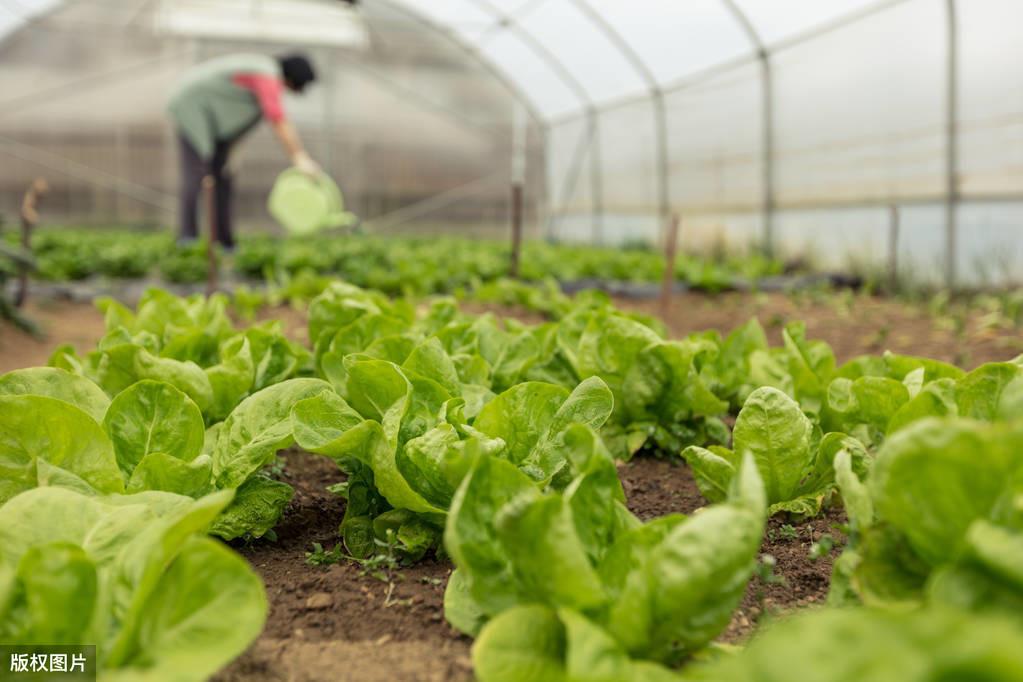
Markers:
339,623
853,324
655,487
79,324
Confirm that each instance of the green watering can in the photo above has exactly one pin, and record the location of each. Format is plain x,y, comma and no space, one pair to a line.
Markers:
303,204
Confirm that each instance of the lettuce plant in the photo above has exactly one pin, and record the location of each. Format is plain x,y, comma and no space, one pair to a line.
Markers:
562,584
59,429
937,519
191,344
132,574
872,407
660,398
406,436
794,460
850,645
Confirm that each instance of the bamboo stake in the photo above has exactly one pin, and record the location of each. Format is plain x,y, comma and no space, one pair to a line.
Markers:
212,276
29,220
516,216
670,252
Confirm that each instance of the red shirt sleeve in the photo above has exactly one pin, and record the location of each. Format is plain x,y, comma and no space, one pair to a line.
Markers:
267,90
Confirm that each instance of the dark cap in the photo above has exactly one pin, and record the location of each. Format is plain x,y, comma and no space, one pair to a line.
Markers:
297,71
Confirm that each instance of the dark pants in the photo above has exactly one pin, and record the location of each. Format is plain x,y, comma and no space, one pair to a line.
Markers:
193,170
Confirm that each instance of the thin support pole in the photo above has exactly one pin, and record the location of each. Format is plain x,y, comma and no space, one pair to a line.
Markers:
643,70
670,252
768,151
596,180
328,113
952,146
209,186
29,220
663,170
544,208
767,113
516,242
893,248
571,180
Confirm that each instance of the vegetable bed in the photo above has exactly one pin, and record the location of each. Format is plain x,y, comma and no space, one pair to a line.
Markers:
385,615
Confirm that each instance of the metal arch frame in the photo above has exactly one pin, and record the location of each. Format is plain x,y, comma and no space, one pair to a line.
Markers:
763,54
951,143
656,95
501,20
451,36
507,21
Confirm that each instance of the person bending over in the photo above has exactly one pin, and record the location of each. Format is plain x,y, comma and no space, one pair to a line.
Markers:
216,104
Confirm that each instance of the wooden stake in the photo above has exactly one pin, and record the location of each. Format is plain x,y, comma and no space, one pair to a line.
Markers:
212,276
29,220
516,217
670,251
893,249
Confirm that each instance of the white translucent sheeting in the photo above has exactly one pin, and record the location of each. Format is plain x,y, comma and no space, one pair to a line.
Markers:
464,17
860,113
676,38
715,142
991,99
588,54
547,46
776,20
532,75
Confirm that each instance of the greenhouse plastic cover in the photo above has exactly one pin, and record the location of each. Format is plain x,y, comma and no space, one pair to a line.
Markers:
567,55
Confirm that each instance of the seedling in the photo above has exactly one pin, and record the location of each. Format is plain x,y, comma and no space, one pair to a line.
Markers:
822,548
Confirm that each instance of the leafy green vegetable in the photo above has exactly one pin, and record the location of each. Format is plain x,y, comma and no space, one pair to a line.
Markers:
656,591
132,574
152,439
792,457
849,645
945,517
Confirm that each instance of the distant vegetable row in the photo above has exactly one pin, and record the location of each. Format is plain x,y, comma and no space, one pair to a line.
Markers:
392,265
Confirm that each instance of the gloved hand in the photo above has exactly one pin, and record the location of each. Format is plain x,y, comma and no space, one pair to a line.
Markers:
303,162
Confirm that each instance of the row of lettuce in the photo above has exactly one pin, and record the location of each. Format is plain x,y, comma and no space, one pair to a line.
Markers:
496,443
391,264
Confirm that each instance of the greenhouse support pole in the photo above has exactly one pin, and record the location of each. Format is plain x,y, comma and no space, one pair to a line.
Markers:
663,187
657,96
767,87
893,247
516,221
209,186
571,178
596,179
328,112
767,113
518,180
543,214
952,146
670,253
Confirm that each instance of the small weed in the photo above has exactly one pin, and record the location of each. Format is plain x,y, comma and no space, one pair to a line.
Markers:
786,532
324,557
277,467
822,548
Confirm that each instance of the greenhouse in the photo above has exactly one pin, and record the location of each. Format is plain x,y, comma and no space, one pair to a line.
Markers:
511,340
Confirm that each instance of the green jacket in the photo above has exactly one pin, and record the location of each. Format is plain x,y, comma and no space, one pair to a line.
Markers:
209,107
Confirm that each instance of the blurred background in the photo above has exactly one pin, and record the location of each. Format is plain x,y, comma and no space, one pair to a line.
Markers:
809,128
